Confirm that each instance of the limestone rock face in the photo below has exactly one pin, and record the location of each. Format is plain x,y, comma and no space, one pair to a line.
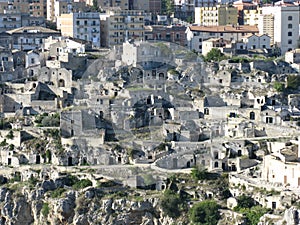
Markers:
48,185
291,216
16,209
64,208
89,206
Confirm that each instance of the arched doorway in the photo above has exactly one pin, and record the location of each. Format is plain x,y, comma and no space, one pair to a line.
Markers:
252,116
61,83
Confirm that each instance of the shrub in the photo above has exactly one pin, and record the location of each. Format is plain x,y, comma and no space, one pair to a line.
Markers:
170,203
82,184
3,143
202,174
10,135
253,214
57,193
278,86
293,81
245,201
11,147
215,55
205,212
45,209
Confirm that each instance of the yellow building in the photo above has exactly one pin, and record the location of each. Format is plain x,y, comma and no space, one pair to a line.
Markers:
216,15
251,16
266,26
118,25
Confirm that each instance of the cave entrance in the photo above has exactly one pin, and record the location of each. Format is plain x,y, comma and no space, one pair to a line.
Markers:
37,159
70,161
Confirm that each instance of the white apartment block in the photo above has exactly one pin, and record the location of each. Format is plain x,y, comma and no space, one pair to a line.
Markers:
251,16
197,34
285,26
84,26
266,26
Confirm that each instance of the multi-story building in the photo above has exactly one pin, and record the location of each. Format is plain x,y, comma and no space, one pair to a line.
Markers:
251,16
266,26
285,25
85,26
11,19
155,6
35,8
174,34
216,15
140,5
118,25
244,9
57,7
197,34
26,38
123,4
205,3
184,9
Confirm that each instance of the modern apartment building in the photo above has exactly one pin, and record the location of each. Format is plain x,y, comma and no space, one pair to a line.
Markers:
155,6
57,7
251,16
35,8
84,26
285,25
123,4
216,15
266,26
244,9
12,18
184,8
118,25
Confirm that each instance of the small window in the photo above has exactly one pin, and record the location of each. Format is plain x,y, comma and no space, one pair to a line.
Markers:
290,42
290,18
290,34
290,25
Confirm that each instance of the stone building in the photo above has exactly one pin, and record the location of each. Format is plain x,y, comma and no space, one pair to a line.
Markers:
282,166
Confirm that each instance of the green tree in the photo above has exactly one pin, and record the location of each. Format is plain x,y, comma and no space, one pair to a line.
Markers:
95,5
293,82
167,6
253,214
190,19
278,86
205,212
245,201
199,173
170,203
215,55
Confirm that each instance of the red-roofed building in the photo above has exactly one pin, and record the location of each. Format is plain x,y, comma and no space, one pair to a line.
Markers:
197,34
